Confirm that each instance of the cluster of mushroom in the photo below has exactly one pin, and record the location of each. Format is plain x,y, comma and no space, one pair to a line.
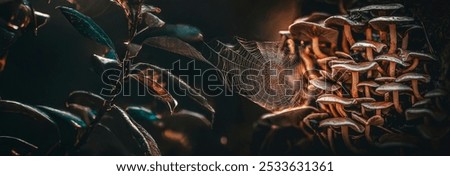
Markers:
369,87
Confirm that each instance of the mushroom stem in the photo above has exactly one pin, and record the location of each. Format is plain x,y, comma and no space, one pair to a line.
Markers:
405,41
340,110
291,45
325,108
367,91
316,48
3,60
369,54
415,87
379,69
412,67
378,112
333,110
395,95
355,81
345,46
330,139
369,34
309,64
392,69
308,135
348,34
283,42
393,38
347,142
383,37
367,134
387,97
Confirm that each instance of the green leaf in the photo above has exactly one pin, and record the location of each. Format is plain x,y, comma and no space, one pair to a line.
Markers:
72,127
157,89
191,93
29,124
88,28
141,113
144,140
19,146
175,45
186,33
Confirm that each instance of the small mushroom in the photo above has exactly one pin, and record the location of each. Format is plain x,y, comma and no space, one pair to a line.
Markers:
307,61
389,22
424,113
379,10
395,88
422,103
323,63
346,23
344,55
339,102
393,60
375,120
307,31
367,85
437,95
415,57
343,124
406,30
414,78
356,69
392,140
369,46
377,106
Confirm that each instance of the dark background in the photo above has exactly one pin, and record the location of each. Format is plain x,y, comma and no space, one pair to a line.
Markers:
45,69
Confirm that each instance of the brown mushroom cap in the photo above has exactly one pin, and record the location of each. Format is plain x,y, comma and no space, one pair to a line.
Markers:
389,87
359,67
333,99
368,83
422,56
390,8
288,117
422,103
284,32
364,100
314,116
382,23
326,59
385,79
377,105
404,29
344,55
376,46
436,93
339,122
397,140
304,31
341,20
413,76
415,113
391,58
376,120
341,61
324,85
359,118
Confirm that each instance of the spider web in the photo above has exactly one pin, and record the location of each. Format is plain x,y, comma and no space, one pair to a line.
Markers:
261,72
